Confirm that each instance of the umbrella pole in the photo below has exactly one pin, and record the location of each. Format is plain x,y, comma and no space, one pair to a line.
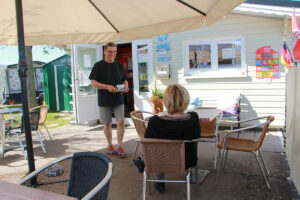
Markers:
22,68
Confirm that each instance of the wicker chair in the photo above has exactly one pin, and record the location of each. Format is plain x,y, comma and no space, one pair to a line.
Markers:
140,126
34,124
171,159
89,176
230,142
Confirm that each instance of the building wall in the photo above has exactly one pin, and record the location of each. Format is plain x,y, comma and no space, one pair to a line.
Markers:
57,103
3,84
14,83
258,97
293,126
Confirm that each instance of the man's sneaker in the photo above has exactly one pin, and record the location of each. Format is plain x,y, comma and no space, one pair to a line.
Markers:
110,150
120,152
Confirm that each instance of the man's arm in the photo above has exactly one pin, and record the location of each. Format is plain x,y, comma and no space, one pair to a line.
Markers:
101,86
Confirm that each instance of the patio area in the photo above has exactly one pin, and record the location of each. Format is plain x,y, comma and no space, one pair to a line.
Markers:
241,178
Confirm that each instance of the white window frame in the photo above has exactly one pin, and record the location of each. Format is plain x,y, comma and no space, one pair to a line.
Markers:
214,72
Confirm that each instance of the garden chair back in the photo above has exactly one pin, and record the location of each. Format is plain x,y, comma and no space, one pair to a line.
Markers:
231,142
164,156
90,175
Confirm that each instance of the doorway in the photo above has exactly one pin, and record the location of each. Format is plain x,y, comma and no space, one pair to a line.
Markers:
124,56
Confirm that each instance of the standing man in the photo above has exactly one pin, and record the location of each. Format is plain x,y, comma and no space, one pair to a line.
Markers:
105,76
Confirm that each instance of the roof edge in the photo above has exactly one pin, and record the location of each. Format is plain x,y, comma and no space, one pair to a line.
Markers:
264,10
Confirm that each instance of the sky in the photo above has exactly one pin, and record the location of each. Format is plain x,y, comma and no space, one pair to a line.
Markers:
9,54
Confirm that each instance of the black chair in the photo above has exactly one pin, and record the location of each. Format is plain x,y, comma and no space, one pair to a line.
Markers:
34,124
89,175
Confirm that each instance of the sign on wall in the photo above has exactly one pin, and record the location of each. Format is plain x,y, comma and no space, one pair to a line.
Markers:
162,68
162,48
267,63
163,71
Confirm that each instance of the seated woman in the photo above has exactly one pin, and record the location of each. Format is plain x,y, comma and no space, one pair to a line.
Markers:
176,125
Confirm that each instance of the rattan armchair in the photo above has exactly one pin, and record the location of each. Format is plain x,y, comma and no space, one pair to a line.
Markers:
171,159
140,124
89,176
230,142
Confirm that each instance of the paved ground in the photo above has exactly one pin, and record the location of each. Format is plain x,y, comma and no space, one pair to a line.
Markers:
241,178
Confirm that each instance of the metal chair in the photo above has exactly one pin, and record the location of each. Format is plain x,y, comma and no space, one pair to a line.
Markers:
171,159
34,124
140,126
89,176
43,116
230,142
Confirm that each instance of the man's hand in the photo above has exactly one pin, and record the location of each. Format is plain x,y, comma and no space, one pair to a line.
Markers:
111,89
126,89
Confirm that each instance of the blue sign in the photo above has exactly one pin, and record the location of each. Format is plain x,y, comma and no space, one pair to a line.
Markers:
162,37
165,45
164,58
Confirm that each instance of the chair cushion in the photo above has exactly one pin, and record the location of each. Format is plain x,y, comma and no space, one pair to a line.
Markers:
230,110
229,105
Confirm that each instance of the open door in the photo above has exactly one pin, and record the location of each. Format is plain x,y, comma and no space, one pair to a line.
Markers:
84,56
142,59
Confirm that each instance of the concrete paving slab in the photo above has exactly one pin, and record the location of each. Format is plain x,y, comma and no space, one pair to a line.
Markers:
241,178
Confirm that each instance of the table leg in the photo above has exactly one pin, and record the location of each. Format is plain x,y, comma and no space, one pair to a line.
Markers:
202,174
11,120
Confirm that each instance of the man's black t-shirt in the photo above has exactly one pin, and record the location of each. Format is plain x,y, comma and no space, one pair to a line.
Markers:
110,74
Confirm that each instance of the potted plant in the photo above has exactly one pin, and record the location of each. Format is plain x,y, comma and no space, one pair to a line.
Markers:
156,99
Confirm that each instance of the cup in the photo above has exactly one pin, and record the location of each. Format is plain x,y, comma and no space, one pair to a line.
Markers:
120,87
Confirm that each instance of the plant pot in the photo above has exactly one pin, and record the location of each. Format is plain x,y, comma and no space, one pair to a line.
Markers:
11,102
157,105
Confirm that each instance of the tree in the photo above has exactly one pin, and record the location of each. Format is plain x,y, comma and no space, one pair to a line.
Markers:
31,76
31,91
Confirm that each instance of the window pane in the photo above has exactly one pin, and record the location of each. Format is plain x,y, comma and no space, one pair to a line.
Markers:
143,65
39,79
229,54
86,59
200,56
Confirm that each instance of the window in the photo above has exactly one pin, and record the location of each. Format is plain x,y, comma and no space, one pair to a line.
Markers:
143,65
215,58
87,56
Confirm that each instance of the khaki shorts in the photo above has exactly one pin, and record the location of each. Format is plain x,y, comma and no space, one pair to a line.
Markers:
106,113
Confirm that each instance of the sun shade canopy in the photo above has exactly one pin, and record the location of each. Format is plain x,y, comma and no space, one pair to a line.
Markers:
95,21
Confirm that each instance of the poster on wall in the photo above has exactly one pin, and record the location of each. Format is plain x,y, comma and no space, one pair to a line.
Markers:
267,63
162,48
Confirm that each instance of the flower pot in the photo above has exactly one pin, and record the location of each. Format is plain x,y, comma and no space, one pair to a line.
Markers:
157,105
11,102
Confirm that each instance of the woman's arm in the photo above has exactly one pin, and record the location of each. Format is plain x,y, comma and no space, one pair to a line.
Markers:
149,133
197,129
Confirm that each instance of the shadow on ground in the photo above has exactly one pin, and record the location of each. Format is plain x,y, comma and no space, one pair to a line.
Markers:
241,178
